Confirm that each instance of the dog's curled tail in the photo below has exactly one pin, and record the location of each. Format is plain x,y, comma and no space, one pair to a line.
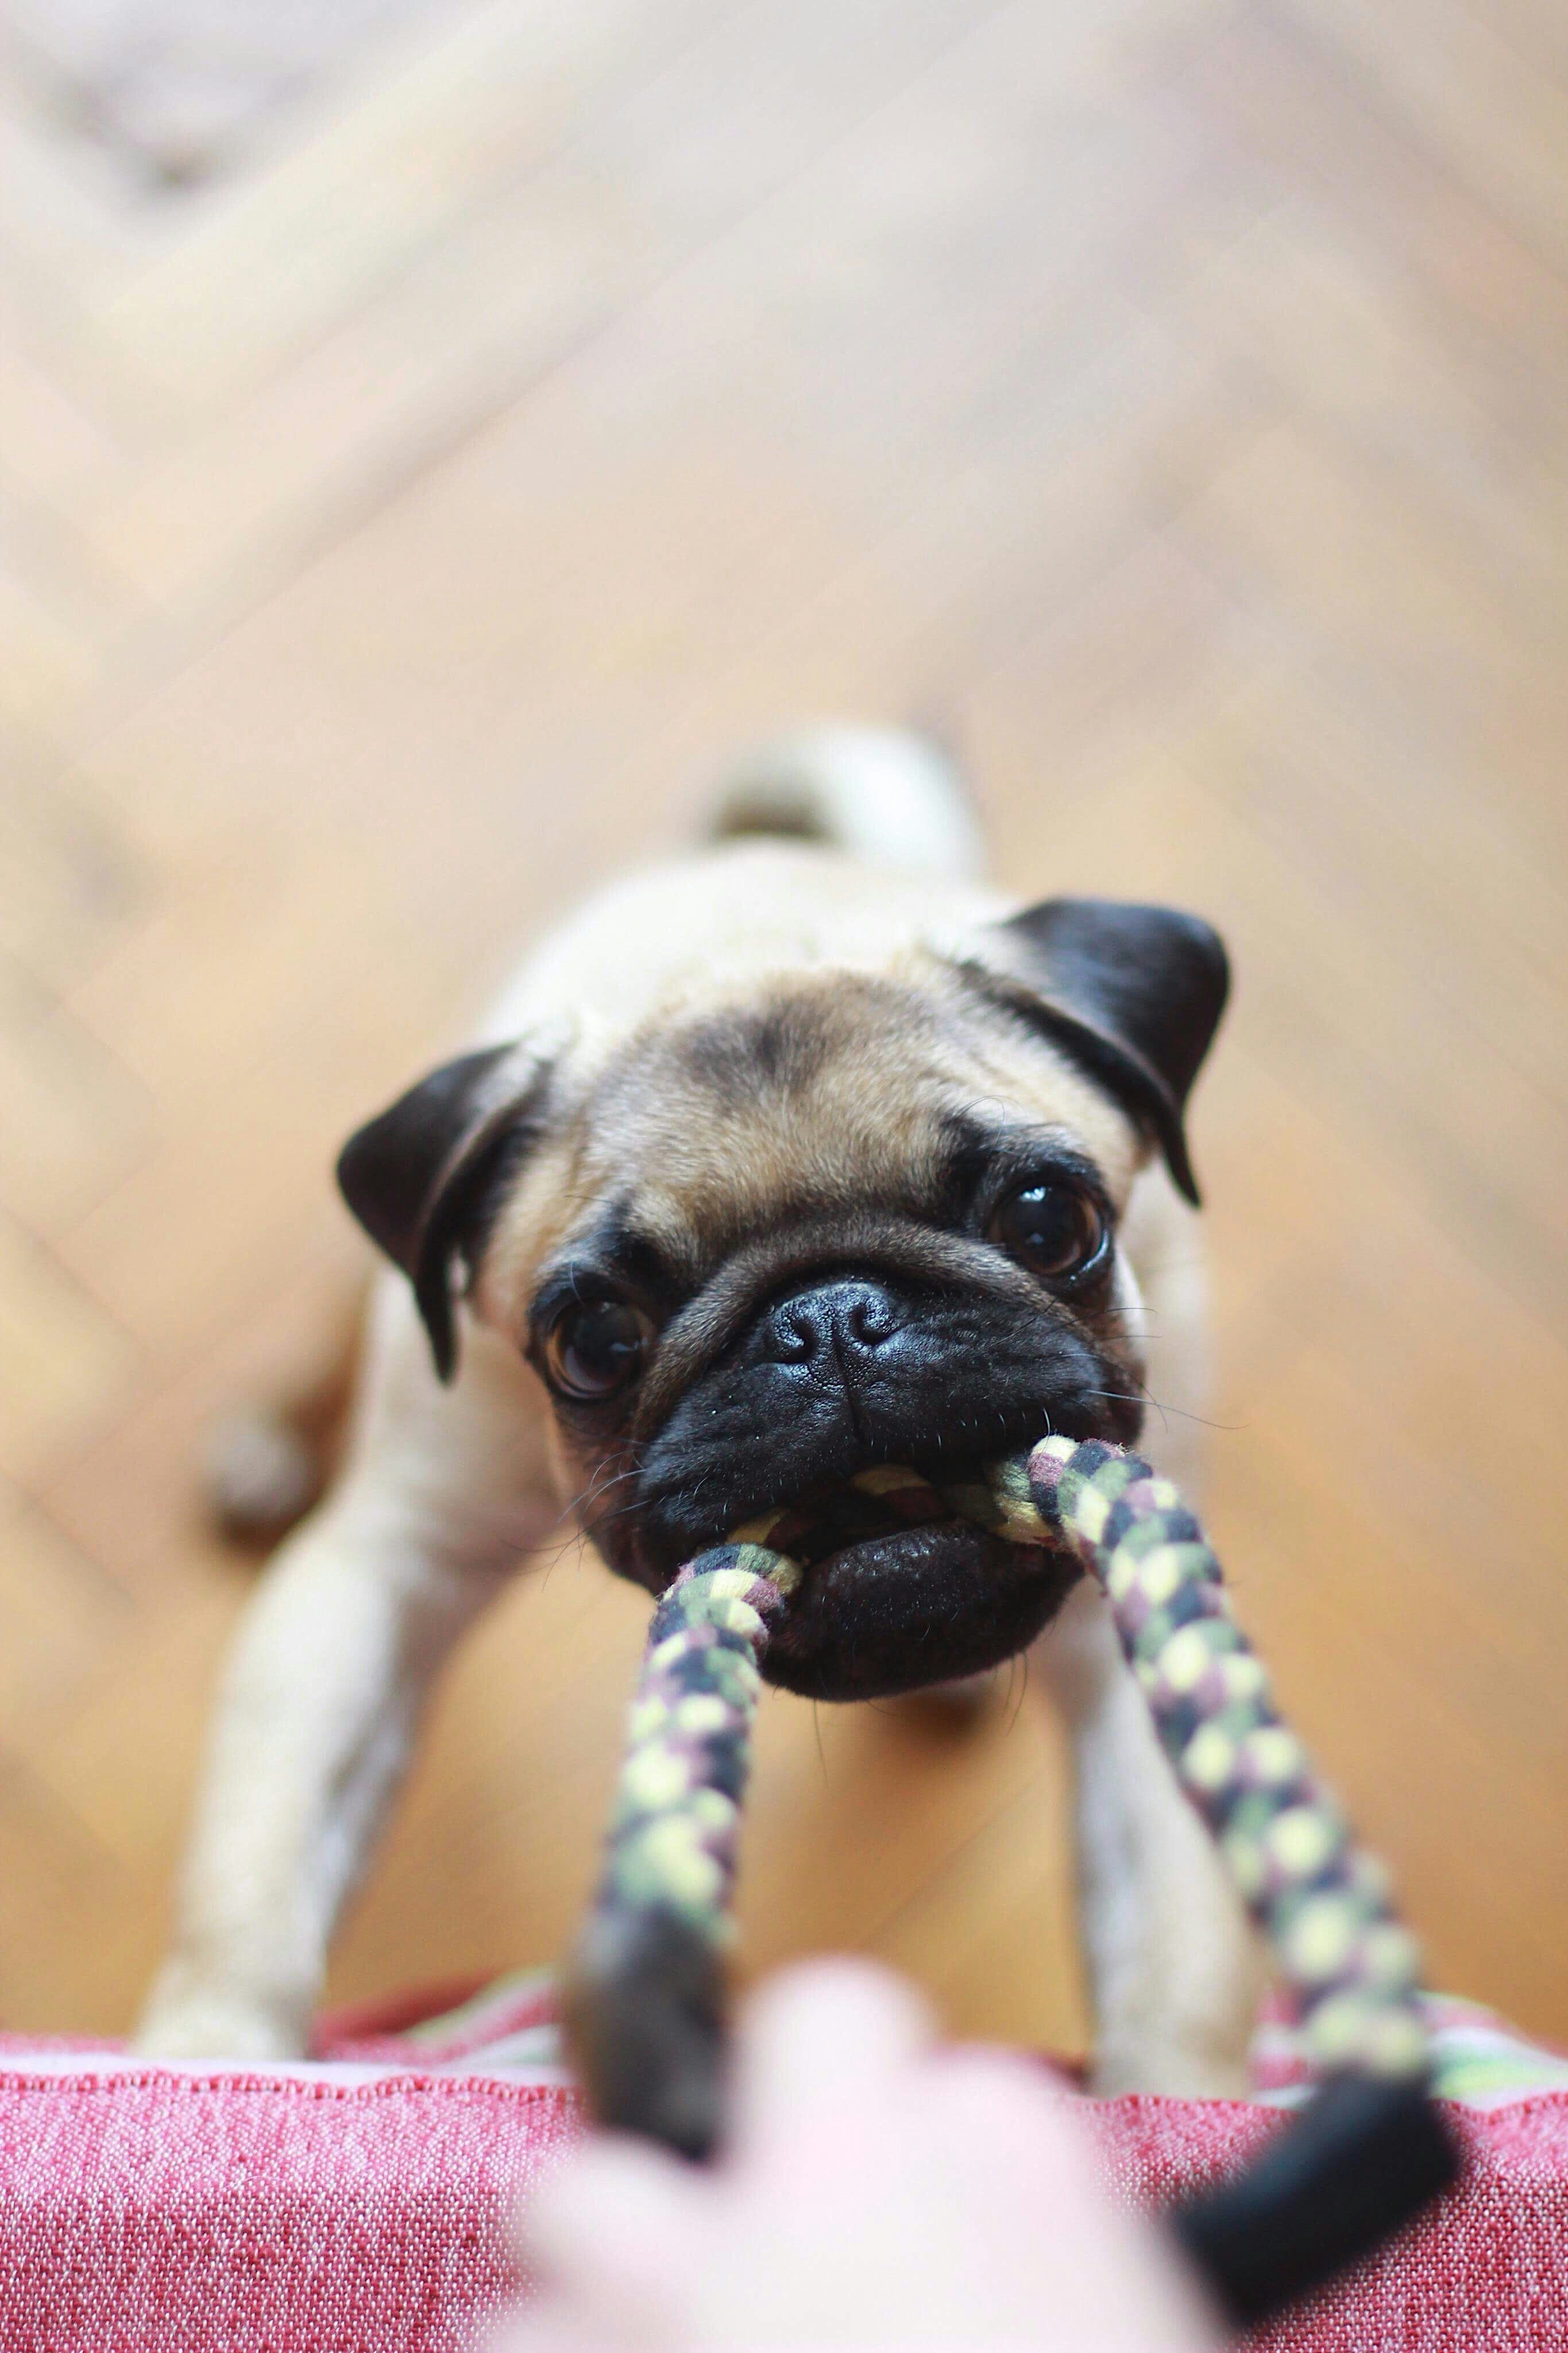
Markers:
888,796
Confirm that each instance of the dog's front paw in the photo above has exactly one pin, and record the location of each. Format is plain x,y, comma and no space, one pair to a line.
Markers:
1178,2071
187,2019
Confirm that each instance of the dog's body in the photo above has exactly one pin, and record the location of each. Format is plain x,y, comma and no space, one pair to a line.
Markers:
799,1156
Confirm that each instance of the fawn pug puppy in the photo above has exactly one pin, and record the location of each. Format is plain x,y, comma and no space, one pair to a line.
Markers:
806,1154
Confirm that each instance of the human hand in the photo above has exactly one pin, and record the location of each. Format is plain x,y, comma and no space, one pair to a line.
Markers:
878,2189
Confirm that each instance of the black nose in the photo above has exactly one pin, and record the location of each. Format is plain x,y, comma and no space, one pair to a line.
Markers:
833,1321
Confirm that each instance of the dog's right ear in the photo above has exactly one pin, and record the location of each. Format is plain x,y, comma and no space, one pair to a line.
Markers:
421,1176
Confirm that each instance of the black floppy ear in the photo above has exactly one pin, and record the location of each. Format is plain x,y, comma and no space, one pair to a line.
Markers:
1133,995
418,1178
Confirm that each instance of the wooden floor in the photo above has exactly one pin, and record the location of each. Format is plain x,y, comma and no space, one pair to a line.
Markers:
1167,397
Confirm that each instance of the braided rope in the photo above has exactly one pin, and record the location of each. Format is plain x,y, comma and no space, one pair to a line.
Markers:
1321,1901
677,1812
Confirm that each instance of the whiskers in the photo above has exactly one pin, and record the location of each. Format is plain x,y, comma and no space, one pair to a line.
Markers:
568,1520
1165,1412
600,1486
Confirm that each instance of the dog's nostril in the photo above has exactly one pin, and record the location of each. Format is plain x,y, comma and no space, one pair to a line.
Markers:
795,1338
871,1321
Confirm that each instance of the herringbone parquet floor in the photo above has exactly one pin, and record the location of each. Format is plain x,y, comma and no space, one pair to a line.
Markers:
1169,398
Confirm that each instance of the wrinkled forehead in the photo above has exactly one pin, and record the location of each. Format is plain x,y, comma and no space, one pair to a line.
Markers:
849,1092
809,1099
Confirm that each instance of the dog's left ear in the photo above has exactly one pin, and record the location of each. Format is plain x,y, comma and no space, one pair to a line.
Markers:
1132,993
419,1178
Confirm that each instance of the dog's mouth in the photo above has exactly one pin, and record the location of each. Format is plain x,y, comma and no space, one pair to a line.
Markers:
898,1591
884,1500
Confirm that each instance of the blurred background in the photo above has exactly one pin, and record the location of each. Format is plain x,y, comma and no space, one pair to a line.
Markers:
431,437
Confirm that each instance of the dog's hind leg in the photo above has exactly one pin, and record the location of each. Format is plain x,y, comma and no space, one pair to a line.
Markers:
887,794
268,1460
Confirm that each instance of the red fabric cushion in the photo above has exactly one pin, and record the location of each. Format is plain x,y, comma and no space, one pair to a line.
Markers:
1487,2267
156,2213
145,2211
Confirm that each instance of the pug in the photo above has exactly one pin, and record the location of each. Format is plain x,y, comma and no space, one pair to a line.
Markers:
807,1153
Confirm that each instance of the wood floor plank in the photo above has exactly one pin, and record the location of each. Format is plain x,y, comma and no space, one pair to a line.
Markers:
1305,123
990,1936
49,665
1338,333
1467,93
452,341
60,1618
280,255
130,1499
71,880
1536,30
74,1119
64,1363
65,1945
52,443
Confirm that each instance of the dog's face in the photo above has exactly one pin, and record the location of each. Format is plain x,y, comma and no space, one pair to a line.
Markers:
826,1221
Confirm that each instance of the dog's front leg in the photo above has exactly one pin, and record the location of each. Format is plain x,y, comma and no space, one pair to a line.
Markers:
1174,1970
443,1492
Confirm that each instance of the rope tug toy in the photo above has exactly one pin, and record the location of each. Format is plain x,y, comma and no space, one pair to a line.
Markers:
647,1996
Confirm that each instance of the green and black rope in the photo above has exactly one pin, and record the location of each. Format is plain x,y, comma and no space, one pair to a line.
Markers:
648,2008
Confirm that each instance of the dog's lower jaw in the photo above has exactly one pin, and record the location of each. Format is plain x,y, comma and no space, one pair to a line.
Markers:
901,1611
919,1607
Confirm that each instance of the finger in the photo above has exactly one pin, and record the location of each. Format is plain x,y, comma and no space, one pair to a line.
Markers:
551,2325
978,2099
822,2043
1050,2229
611,2221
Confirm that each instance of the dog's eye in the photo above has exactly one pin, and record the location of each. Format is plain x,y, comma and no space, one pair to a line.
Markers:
597,1349
1054,1230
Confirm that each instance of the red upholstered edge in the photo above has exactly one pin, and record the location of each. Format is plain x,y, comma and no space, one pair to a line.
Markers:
150,2212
